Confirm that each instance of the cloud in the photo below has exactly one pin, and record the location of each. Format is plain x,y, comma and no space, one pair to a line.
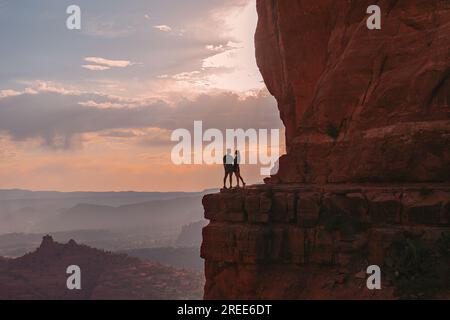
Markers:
101,27
226,59
119,133
148,137
163,28
101,105
212,47
9,93
41,86
59,120
109,63
186,75
95,67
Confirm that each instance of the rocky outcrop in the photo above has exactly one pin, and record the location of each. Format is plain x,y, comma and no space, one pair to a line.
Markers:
316,242
366,176
359,105
41,275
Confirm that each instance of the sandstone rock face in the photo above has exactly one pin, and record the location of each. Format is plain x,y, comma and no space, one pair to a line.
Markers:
365,180
359,105
311,242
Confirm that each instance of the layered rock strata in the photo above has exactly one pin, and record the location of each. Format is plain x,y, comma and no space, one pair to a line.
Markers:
314,242
366,176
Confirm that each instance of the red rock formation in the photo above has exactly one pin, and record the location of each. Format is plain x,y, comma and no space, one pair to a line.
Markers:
316,242
359,104
366,176
42,275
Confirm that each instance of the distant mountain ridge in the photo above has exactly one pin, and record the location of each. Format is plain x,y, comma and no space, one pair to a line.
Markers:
27,211
191,234
171,213
14,194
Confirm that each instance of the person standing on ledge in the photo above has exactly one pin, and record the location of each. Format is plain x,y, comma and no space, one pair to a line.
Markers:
237,169
229,168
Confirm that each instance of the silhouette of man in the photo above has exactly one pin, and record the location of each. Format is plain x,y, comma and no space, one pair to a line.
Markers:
228,165
236,168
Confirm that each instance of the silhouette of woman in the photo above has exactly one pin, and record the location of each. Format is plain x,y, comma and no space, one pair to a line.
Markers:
237,169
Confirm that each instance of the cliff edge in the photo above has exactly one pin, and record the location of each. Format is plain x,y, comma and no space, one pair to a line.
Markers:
366,177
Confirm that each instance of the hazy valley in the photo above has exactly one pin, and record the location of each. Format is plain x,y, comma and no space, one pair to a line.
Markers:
161,227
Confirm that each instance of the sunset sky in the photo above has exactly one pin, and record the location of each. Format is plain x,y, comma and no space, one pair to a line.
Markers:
93,109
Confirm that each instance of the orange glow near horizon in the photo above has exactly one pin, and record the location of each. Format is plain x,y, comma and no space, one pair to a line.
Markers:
123,157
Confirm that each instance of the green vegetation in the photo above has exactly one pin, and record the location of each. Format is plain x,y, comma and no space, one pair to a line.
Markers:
269,192
418,269
443,245
425,192
336,220
332,131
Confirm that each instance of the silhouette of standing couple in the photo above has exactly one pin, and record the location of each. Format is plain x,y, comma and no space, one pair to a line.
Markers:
232,166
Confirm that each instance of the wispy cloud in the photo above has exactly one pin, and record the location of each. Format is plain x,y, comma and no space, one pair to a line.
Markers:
95,67
186,75
60,117
163,28
41,86
9,93
100,105
218,48
100,27
109,63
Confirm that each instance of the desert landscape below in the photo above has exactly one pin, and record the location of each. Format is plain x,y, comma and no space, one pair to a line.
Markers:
130,245
41,275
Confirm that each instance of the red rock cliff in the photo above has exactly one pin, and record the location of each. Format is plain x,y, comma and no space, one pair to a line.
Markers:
358,104
366,176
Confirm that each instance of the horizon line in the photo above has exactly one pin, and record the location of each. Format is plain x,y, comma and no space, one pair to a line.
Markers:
110,191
